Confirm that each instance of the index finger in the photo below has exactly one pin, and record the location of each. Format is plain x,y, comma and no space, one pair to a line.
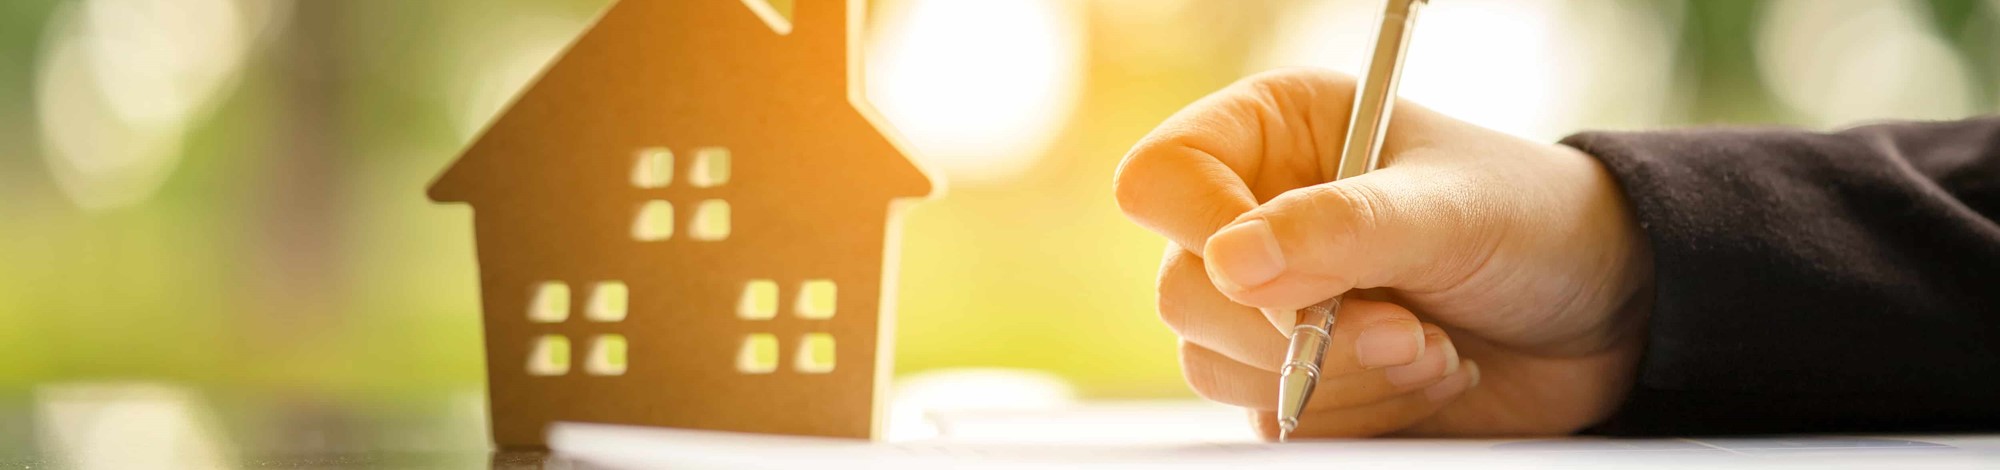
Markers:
1209,163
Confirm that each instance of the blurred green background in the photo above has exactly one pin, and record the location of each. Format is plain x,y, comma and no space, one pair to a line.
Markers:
226,196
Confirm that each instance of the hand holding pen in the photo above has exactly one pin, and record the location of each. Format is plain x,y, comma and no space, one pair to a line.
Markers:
1506,270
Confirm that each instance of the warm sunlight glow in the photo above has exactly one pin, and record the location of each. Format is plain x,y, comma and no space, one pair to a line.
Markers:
980,87
1490,63
1524,67
1487,62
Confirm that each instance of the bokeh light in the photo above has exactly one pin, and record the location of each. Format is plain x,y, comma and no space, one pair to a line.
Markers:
152,426
917,398
979,87
122,80
1842,61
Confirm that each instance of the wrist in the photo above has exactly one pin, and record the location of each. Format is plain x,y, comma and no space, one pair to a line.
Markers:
1631,286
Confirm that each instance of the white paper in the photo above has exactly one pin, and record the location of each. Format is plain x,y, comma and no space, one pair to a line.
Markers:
1178,436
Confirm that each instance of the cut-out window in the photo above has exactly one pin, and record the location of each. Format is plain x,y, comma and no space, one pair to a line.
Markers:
711,220
816,299
608,302
549,356
549,303
655,222
711,167
815,354
655,168
776,13
759,354
607,356
760,300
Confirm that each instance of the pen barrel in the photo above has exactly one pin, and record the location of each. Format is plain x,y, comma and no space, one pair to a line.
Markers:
1375,95
1361,152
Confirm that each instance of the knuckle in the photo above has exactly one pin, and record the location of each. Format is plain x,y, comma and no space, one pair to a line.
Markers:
1309,77
1149,162
1356,208
1339,213
1127,182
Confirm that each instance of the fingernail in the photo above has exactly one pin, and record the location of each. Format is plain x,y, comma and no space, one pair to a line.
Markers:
1388,345
1245,255
1409,375
1454,384
1472,369
1405,376
1430,367
1450,358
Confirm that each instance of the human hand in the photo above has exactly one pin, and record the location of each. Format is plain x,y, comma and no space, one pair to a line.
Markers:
1495,285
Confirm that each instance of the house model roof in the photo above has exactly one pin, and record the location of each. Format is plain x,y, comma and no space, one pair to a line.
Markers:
697,72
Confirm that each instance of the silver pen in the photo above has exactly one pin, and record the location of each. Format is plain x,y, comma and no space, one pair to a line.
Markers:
1362,152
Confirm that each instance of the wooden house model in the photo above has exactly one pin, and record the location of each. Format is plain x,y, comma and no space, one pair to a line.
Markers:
689,221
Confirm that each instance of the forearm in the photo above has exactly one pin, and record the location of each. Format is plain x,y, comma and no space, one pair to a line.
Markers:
1815,281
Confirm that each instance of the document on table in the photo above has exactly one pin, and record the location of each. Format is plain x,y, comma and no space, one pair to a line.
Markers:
1172,436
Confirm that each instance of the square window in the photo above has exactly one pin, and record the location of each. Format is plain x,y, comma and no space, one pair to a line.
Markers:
608,302
607,356
711,167
711,220
815,354
759,354
549,303
759,301
549,356
655,222
654,169
817,298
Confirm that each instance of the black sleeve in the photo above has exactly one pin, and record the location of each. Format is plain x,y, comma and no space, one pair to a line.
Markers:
1815,282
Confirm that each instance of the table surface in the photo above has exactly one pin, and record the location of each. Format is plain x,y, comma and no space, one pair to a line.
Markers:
496,460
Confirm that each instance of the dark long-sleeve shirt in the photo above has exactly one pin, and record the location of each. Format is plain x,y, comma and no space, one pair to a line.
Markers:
1815,282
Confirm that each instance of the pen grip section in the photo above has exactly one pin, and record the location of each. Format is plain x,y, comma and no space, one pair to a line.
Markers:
1311,337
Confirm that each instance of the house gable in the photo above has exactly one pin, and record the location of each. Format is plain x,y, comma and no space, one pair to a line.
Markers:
644,59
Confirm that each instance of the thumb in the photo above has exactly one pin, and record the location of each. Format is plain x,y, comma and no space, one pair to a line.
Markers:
1399,227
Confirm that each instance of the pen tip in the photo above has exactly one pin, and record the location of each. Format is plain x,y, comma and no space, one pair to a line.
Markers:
1284,435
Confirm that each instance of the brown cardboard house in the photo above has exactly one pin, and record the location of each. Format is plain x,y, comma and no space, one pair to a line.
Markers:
689,220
